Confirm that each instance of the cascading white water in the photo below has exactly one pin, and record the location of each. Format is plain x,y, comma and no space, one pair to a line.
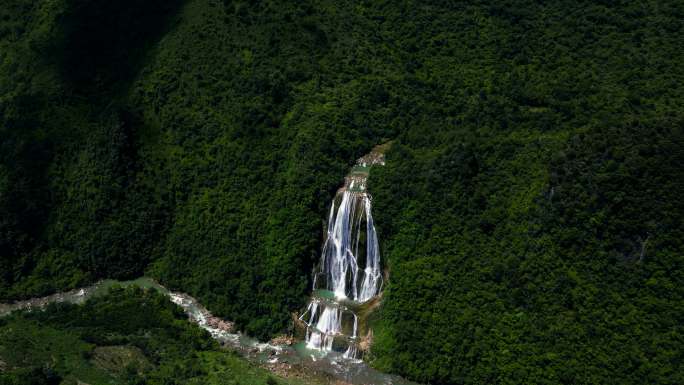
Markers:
340,258
349,273
372,278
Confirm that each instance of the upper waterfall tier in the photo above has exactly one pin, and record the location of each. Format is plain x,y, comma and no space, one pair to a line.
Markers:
350,260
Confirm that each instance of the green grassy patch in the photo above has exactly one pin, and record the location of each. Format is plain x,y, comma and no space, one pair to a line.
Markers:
129,336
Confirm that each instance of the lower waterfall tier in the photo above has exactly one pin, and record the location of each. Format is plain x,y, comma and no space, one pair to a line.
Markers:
331,319
331,327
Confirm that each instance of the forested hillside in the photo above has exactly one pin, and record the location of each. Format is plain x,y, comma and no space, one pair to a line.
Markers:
529,214
532,219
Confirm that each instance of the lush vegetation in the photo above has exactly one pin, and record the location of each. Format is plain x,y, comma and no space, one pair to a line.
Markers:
130,336
532,224
214,159
529,213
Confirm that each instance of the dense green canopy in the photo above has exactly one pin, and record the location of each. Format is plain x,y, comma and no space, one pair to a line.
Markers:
530,212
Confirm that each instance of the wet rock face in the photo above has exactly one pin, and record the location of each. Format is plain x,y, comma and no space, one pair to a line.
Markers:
372,158
282,340
366,341
220,324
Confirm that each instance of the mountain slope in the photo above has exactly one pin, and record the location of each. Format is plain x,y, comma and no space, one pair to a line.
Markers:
529,212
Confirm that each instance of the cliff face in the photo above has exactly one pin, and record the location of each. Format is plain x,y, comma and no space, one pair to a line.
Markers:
529,210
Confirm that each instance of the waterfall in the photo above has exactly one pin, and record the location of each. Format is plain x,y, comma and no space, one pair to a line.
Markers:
349,273
341,254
